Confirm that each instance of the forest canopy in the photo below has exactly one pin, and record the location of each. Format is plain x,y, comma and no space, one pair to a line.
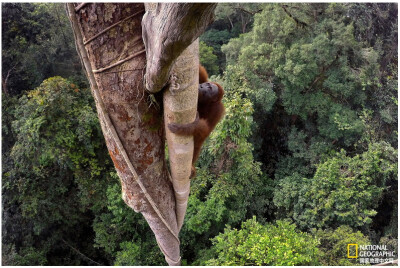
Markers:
303,163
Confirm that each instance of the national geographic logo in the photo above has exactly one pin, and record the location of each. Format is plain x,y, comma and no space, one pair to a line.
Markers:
370,254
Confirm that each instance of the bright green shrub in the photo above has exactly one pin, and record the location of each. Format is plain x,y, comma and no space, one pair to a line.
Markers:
271,244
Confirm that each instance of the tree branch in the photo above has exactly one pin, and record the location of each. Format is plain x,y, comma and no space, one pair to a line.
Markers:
4,82
298,22
168,29
81,254
247,11
180,106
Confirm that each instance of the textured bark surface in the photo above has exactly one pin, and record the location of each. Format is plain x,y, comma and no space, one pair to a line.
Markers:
109,41
180,106
168,29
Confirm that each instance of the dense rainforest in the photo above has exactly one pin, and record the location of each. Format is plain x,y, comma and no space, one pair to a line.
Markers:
303,163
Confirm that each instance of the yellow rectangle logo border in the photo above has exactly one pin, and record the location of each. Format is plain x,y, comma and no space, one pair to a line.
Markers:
348,251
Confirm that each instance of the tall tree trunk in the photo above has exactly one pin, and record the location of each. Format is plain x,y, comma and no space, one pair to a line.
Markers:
180,106
109,41
168,30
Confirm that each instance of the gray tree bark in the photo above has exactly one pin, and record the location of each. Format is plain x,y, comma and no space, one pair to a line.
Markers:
180,106
168,29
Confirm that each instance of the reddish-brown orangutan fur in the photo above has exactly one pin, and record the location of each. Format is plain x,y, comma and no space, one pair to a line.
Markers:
203,75
210,111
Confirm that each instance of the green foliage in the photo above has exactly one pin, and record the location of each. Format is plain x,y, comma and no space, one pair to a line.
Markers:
232,19
228,186
333,245
139,253
128,255
28,256
229,154
320,80
391,243
321,74
55,126
311,68
271,244
258,91
59,164
8,104
344,190
208,59
215,39
123,233
37,43
310,134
